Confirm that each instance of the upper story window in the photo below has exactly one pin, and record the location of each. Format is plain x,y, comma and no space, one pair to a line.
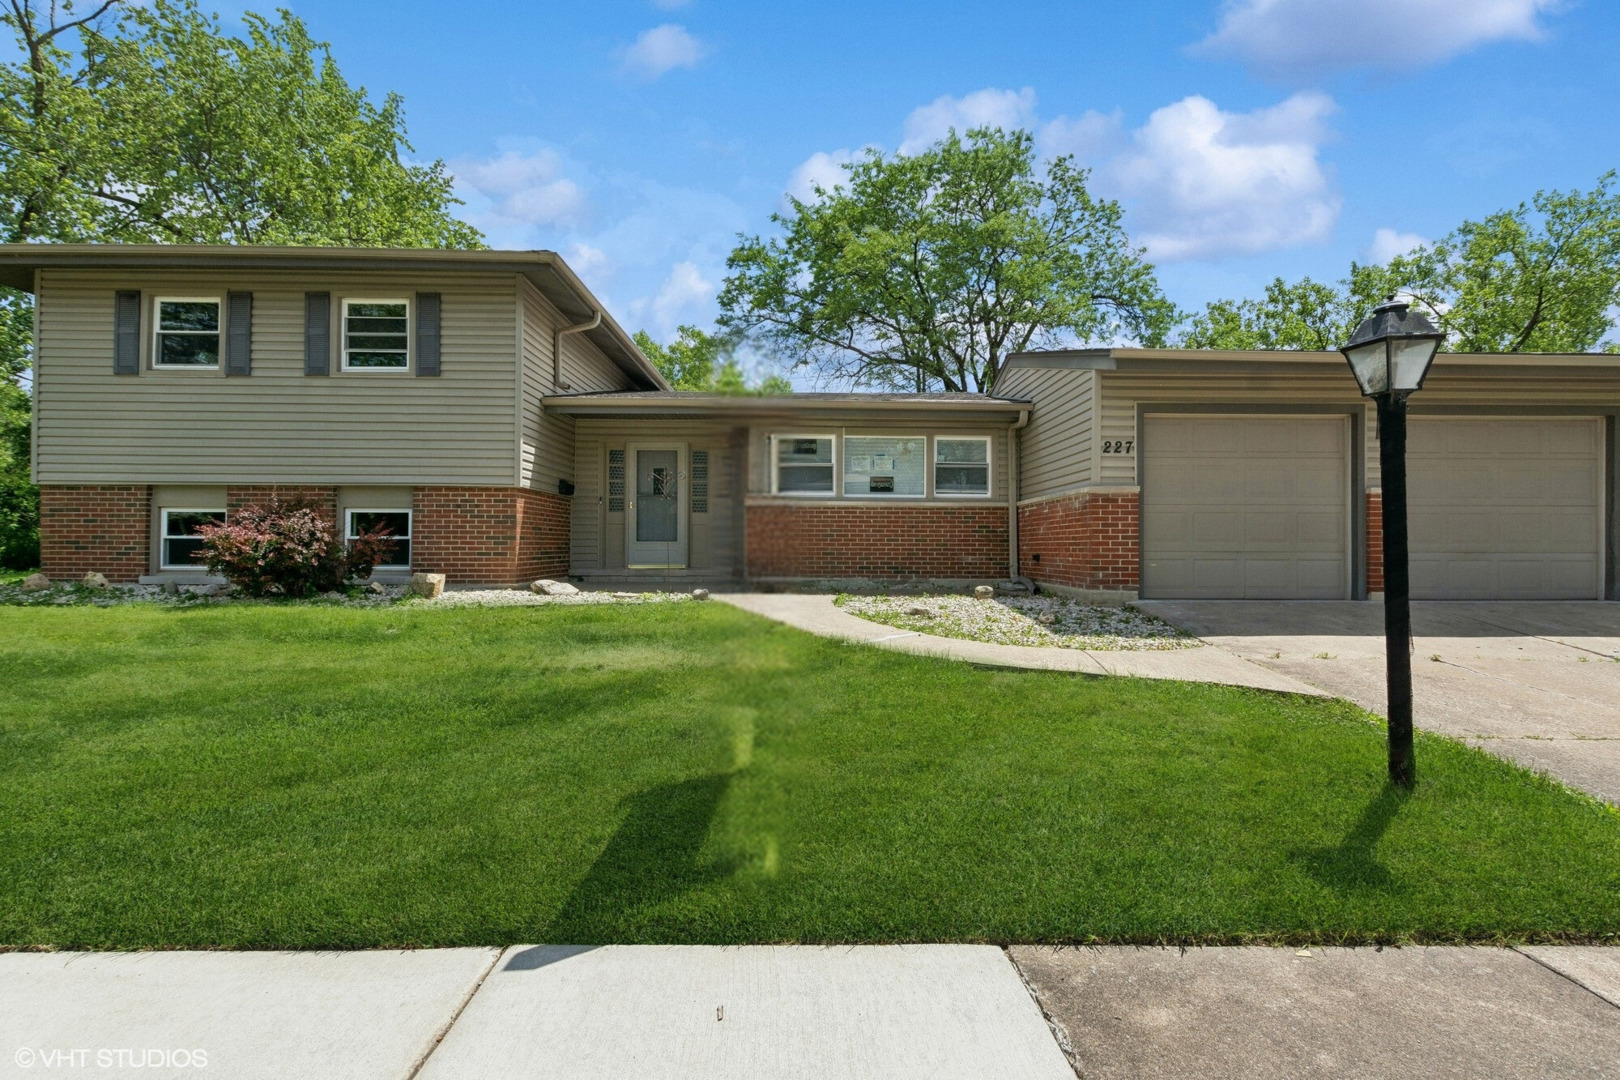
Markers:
886,466
376,335
187,333
803,464
961,466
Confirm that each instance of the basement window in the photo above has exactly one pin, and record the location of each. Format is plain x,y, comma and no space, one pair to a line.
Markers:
804,464
885,467
187,334
961,466
181,544
396,523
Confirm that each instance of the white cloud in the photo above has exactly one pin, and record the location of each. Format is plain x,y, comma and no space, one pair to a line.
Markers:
1293,39
824,168
586,259
662,49
1387,243
519,188
684,294
1203,183
990,107
1087,136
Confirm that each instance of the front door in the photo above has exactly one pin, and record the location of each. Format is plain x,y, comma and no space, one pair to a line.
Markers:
655,515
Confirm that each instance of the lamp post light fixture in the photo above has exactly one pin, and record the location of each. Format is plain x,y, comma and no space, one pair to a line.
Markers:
1390,354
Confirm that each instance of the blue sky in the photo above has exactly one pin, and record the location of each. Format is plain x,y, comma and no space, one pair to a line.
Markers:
1247,139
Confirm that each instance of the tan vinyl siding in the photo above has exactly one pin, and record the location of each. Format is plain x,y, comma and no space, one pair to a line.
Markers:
759,449
548,440
715,537
277,425
1121,391
1055,449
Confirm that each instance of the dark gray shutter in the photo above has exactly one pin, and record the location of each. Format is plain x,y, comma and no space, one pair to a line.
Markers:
239,333
317,333
127,334
427,333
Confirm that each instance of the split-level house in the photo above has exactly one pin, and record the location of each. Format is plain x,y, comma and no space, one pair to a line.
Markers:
484,407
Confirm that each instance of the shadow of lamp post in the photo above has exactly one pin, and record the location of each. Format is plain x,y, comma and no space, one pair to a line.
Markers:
1390,354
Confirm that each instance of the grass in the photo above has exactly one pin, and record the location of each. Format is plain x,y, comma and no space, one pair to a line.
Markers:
298,776
12,577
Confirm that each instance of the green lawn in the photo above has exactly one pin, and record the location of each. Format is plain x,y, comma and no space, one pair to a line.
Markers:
308,776
11,577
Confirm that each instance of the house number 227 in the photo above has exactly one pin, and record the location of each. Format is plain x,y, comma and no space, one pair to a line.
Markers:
1118,446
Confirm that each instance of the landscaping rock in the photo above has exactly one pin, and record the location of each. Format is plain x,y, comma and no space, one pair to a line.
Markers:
1047,619
553,588
375,588
93,580
430,586
36,583
171,588
920,612
700,594
219,588
984,592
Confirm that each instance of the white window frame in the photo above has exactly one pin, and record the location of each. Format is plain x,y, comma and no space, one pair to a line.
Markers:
164,536
776,470
343,314
158,332
409,537
926,464
989,466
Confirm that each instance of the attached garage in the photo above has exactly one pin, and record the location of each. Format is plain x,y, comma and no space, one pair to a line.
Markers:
1246,507
1506,508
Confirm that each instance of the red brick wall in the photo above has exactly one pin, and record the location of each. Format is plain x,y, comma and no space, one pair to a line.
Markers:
106,529
881,542
543,535
489,535
1375,541
1086,541
324,498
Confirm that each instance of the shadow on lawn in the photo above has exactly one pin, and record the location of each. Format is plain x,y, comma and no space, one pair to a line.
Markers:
651,858
1353,864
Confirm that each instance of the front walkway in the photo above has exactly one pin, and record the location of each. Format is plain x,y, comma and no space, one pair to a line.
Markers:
901,1011
818,614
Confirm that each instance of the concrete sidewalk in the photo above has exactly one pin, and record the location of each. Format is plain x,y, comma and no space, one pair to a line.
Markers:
901,1011
817,614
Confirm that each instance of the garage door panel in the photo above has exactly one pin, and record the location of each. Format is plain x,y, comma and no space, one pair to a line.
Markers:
1269,516
1505,508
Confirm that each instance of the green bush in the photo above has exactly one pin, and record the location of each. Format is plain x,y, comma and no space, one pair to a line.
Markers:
19,523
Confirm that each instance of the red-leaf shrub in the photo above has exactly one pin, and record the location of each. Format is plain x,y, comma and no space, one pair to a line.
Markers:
288,549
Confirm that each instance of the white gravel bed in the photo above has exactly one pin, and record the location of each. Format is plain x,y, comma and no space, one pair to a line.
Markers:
1042,621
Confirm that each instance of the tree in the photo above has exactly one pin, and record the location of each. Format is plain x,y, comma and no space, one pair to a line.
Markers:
926,271
1542,277
161,128
699,361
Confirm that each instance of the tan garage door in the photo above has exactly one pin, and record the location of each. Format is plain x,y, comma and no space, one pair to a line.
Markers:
1505,509
1246,507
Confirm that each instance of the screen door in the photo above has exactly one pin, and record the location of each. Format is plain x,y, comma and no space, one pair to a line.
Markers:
655,519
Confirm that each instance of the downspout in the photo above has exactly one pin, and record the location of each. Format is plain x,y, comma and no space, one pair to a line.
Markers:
556,348
1012,500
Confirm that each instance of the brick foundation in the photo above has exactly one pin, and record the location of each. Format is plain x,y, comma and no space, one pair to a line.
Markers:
887,542
1375,541
489,535
1085,541
106,529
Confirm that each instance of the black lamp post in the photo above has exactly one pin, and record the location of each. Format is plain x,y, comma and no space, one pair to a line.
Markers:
1390,354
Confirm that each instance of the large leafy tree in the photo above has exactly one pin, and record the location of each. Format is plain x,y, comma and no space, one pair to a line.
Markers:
1541,277
121,123
926,270
706,362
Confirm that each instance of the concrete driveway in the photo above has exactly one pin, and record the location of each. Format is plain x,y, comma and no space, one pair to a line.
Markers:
1537,683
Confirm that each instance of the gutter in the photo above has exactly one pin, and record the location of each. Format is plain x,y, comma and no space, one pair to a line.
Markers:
1012,500
556,347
